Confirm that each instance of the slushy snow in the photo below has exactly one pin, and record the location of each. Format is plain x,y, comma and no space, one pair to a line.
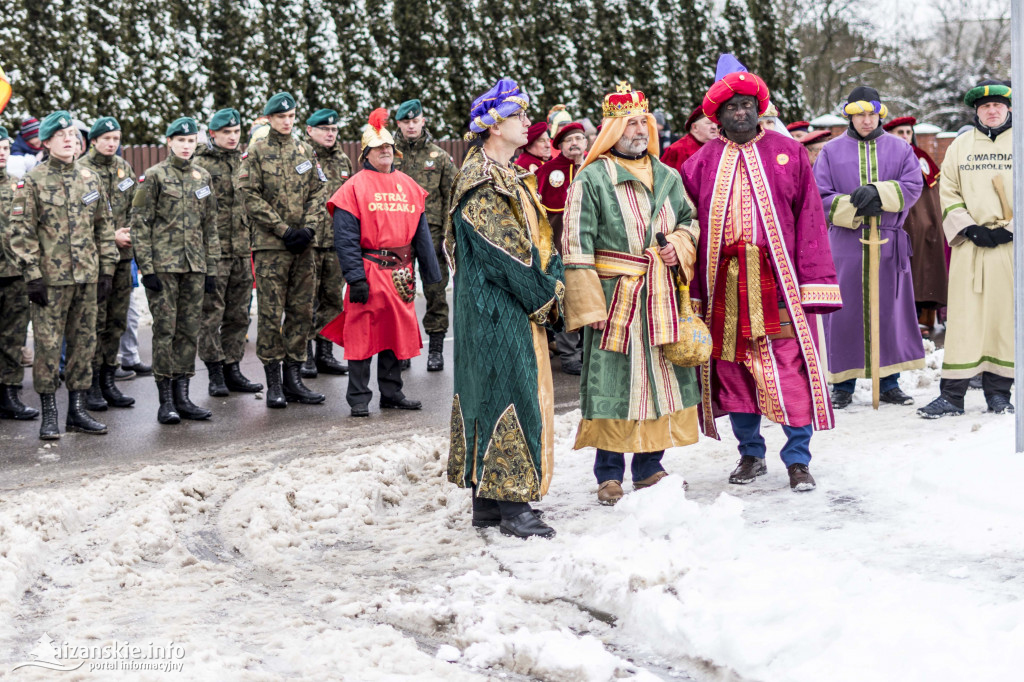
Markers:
360,564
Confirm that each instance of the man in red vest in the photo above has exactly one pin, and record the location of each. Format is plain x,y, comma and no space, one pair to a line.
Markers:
699,129
537,151
378,220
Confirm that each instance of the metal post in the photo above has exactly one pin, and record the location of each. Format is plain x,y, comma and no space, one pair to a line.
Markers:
1017,81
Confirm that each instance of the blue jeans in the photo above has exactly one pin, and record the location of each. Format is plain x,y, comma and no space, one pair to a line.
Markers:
611,466
884,384
747,429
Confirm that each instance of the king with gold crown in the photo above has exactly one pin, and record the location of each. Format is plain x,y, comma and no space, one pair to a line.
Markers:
619,291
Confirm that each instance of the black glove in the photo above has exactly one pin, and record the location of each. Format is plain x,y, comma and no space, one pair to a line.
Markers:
210,287
980,236
359,291
152,282
1001,235
103,287
8,281
866,200
37,292
296,239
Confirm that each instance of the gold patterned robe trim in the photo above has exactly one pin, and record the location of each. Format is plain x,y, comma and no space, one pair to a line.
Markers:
541,315
648,435
508,473
457,451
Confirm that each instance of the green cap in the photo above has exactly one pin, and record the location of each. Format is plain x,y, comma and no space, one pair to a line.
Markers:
225,118
409,109
107,124
4,135
58,120
279,103
323,117
183,126
989,91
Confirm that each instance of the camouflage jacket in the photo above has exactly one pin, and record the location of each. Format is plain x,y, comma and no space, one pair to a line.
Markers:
338,168
232,223
119,182
431,168
174,219
61,227
282,187
8,264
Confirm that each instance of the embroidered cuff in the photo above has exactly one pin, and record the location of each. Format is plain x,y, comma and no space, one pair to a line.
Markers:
844,214
578,260
549,311
820,295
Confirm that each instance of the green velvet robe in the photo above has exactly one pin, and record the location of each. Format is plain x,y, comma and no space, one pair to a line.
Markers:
508,285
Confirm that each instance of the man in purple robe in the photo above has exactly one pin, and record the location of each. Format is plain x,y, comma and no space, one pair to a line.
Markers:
765,275
863,174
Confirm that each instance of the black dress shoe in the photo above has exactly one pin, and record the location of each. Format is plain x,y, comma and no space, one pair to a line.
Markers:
896,396
841,399
526,525
361,411
403,404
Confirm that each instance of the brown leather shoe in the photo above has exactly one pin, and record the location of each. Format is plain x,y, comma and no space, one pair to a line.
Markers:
800,479
609,492
747,470
650,480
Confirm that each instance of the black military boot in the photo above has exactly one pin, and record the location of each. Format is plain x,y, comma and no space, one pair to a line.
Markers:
237,382
275,395
48,428
111,393
309,367
166,414
435,355
185,407
11,406
94,396
294,390
325,360
218,388
80,420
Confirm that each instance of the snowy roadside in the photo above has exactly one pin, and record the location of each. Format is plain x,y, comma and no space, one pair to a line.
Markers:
905,564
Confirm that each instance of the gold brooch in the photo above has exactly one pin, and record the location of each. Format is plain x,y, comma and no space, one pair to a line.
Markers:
783,159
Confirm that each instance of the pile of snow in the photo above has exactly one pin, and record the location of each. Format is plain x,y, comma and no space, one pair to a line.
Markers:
905,563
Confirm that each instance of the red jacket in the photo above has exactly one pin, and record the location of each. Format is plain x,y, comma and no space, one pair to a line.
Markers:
679,151
529,162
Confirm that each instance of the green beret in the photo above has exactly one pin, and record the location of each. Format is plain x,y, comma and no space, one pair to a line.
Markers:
58,120
225,118
989,91
323,117
409,109
279,103
183,126
4,135
107,124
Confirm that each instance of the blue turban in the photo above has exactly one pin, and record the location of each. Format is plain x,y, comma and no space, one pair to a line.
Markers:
502,101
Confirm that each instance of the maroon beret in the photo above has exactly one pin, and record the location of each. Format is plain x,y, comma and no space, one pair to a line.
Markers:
694,116
535,131
901,121
566,129
798,125
816,136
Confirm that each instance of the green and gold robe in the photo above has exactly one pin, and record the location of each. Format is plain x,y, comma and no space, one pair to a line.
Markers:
508,287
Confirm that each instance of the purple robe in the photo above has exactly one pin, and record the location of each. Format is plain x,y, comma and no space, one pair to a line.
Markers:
888,163
785,380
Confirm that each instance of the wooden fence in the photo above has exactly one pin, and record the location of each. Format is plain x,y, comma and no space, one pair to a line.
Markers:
145,156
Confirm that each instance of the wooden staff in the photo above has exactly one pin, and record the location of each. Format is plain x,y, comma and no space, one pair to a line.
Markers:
997,182
874,244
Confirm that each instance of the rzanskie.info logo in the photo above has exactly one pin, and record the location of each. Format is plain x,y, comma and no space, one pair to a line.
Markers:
114,656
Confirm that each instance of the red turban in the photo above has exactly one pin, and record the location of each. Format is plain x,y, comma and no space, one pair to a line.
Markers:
739,83
535,131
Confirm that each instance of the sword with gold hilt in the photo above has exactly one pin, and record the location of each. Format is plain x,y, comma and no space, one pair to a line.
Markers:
874,244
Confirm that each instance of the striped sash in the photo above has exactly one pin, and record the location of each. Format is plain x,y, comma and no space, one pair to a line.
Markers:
634,274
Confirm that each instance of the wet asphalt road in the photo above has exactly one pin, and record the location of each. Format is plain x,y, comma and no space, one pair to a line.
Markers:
136,439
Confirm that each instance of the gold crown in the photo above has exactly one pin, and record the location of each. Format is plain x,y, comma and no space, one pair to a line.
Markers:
624,102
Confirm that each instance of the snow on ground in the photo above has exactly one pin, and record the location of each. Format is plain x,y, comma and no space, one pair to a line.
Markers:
334,562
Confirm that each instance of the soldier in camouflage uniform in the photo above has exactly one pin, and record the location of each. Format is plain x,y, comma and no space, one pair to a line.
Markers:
283,186
433,170
13,303
174,225
226,310
322,128
62,235
118,180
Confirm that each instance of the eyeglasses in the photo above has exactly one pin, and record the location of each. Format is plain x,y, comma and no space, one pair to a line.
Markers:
521,115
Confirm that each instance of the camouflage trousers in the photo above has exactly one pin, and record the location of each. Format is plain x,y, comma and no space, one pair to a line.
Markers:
177,314
14,312
112,316
435,319
330,289
226,312
284,291
68,316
